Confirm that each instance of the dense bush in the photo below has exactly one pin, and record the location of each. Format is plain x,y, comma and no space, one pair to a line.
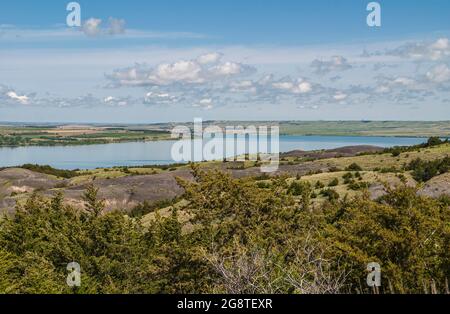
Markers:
233,238
354,167
425,170
330,194
334,182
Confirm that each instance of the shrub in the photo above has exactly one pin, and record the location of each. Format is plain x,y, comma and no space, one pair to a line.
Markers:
358,185
319,185
423,171
330,194
354,167
263,184
334,182
298,188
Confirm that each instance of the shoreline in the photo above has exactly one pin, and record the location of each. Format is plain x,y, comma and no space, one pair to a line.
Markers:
281,134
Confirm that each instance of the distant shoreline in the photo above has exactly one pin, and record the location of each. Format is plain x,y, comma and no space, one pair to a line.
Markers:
21,135
74,144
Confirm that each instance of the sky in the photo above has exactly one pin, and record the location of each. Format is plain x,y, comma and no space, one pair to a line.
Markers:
172,60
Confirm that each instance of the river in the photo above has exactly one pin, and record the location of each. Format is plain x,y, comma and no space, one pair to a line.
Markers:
159,152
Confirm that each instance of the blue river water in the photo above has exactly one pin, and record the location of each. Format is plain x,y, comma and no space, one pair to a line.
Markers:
159,152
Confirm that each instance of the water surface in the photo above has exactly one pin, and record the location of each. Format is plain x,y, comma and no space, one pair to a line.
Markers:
159,152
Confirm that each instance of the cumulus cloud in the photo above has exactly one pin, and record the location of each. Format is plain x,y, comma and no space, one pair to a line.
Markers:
336,63
439,74
208,58
9,96
93,27
205,103
300,86
204,69
159,98
210,80
22,99
243,86
437,50
116,101
178,72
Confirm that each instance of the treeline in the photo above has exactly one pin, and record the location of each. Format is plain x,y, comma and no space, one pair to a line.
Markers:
231,237
8,140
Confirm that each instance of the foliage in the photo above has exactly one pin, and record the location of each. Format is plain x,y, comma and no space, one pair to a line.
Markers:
354,167
330,194
358,185
334,182
237,238
51,171
397,150
145,207
425,170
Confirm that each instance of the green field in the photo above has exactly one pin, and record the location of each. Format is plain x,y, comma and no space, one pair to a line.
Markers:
14,136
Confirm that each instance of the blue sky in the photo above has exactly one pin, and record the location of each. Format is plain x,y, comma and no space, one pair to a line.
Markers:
150,61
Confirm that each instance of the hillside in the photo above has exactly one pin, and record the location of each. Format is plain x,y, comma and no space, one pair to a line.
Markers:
126,187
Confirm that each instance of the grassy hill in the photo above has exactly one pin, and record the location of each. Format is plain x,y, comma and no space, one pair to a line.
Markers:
127,187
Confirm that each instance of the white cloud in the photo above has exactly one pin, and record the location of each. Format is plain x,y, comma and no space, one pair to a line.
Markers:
23,99
439,73
335,63
303,87
208,58
159,98
437,50
299,87
91,27
116,26
284,85
179,72
227,68
243,86
205,103
339,96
